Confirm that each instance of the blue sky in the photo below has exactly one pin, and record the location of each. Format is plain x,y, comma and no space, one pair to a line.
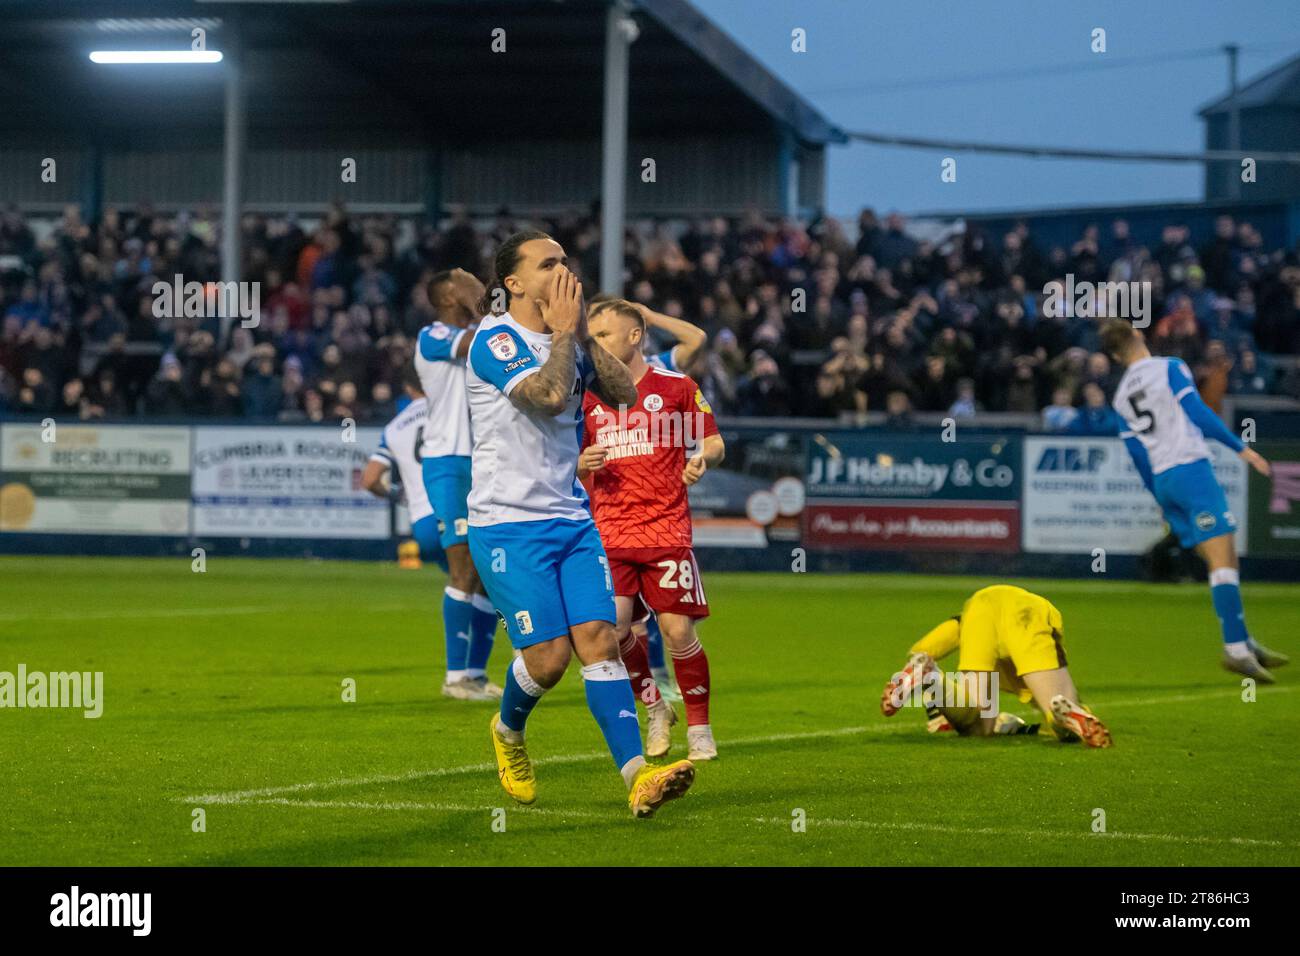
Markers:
874,65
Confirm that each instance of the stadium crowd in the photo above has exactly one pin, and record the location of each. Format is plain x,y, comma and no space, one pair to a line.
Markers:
802,319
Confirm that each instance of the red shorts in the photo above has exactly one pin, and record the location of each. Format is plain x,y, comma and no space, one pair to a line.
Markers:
666,579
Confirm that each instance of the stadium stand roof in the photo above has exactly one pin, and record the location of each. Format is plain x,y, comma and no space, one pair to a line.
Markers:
1279,86
422,67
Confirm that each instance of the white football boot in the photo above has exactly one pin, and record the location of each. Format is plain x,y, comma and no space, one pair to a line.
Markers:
467,688
1248,665
660,716
699,740
494,691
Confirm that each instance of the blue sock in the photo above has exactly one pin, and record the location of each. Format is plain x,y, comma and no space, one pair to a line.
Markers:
456,613
655,640
482,634
1225,590
609,695
521,695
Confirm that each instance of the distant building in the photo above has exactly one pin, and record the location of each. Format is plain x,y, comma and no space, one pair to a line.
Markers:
1270,120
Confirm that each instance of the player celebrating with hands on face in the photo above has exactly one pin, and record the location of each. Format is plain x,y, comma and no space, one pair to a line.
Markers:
637,463
530,532
1168,423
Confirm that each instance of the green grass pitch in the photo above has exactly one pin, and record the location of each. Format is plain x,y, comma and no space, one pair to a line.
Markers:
223,691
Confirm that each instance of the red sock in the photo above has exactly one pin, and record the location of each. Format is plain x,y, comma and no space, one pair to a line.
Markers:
691,667
636,658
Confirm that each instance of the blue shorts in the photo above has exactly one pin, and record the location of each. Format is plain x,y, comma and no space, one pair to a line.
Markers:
1193,503
425,533
446,481
544,576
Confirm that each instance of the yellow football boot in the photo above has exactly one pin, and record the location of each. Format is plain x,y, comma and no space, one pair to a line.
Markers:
654,786
514,768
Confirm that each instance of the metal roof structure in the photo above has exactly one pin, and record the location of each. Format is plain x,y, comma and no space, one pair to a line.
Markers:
420,67
1279,86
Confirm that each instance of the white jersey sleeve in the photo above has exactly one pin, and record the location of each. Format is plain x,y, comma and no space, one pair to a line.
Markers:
524,463
442,377
400,445
666,360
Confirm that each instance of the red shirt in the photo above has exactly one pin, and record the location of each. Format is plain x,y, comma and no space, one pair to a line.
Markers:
638,498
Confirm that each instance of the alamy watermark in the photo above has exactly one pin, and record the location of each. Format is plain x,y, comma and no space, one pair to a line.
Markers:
622,433
79,690
935,689
1098,300
130,910
206,300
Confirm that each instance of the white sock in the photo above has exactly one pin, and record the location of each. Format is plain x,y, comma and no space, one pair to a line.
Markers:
1238,650
475,672
629,770
508,735
453,676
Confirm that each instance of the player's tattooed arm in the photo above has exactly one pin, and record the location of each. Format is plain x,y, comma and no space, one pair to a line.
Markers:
613,380
547,391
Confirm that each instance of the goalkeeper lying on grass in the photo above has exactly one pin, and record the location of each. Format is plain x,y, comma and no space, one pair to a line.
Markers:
1007,638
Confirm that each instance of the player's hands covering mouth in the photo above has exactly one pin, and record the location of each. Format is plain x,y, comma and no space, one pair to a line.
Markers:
564,310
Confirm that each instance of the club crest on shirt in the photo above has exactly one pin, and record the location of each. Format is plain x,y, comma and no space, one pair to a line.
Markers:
440,332
653,403
502,345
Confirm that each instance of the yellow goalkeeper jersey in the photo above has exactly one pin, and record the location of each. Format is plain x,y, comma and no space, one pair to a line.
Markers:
1001,628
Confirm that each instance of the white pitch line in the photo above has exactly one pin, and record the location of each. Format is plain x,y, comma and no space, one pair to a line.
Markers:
1050,834
185,612
247,796
884,583
813,822
1184,698
423,807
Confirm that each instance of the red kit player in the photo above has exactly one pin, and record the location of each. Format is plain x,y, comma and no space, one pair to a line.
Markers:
634,462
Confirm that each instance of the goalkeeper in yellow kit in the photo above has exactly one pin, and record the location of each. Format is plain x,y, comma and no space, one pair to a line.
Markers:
1002,630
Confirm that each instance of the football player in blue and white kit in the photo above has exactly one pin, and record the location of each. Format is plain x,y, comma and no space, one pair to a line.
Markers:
530,530
469,620
679,357
394,467
399,453
1168,423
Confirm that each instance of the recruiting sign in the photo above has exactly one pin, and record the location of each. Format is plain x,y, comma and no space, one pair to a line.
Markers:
1275,501
100,479
881,491
285,483
1085,493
